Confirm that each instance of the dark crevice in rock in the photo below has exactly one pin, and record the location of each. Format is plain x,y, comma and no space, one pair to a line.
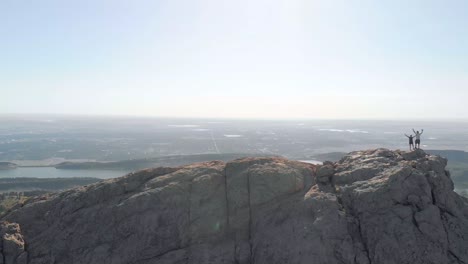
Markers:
26,250
227,227
340,201
250,218
78,209
434,200
407,177
447,212
160,255
190,213
404,204
355,232
361,238
447,173
450,253
236,260
226,198
357,236
327,187
415,223
128,193
332,183
433,197
3,253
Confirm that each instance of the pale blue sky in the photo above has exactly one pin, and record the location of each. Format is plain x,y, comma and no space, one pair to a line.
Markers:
244,58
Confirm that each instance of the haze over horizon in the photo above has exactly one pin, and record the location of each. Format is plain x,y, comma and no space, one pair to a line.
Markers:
242,59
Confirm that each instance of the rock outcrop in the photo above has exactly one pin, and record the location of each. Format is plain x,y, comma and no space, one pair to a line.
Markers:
377,206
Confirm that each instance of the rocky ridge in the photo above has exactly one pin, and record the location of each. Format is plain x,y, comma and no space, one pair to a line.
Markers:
376,206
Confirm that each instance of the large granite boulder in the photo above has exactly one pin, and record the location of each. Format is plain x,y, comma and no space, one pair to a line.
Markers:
376,206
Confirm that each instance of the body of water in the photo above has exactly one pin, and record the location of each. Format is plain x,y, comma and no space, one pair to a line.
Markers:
315,162
51,172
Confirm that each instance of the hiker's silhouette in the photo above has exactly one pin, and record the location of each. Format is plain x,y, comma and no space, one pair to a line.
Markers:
411,144
418,137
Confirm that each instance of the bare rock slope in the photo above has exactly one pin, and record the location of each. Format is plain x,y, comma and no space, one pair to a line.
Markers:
377,206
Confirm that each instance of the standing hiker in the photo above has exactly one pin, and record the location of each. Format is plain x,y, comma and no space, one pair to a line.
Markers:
418,137
411,144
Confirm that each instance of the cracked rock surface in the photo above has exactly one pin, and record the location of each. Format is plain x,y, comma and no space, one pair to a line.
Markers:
376,206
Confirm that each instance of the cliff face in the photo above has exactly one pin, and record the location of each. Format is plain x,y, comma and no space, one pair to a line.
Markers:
376,206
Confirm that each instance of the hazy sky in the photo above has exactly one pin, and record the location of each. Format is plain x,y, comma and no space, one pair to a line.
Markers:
242,58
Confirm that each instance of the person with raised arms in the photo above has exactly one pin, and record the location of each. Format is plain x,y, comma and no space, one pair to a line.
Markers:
418,137
411,143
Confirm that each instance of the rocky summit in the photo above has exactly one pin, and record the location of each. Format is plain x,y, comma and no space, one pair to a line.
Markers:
376,206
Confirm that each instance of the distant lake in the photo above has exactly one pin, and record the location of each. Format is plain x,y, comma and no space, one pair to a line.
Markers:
315,162
51,172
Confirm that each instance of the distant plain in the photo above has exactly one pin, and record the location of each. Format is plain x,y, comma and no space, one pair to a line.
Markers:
50,140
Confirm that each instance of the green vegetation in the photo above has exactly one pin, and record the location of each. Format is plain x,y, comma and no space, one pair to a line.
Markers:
9,200
16,191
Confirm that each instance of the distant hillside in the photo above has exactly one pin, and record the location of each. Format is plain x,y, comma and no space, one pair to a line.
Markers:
332,156
7,165
137,164
451,155
42,184
15,191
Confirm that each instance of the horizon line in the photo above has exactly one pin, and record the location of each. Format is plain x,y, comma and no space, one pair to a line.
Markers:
256,118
